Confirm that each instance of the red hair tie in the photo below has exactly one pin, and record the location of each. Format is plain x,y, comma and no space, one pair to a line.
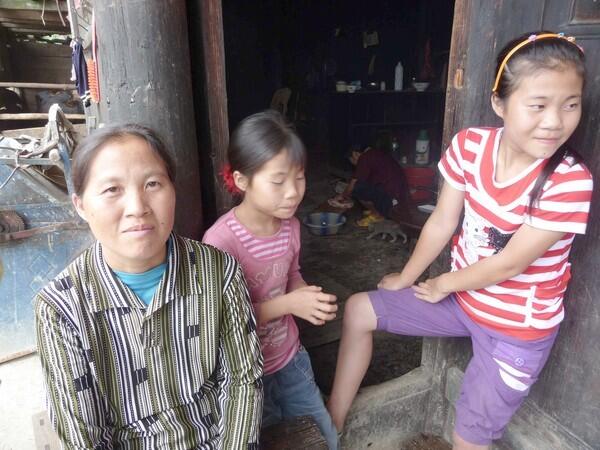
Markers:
228,182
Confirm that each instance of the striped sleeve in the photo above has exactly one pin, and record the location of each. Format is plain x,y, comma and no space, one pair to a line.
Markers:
451,164
565,201
73,398
241,365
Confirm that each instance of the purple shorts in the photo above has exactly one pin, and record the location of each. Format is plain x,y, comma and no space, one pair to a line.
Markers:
500,373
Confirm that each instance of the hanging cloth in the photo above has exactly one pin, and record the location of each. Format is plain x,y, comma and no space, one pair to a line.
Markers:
92,66
81,73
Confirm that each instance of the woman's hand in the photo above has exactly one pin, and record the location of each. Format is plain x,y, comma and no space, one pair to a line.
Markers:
393,282
312,304
430,290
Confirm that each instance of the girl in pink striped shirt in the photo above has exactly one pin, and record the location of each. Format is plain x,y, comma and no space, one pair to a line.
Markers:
266,167
524,194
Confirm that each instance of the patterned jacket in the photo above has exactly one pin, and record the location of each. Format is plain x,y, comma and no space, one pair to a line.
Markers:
184,372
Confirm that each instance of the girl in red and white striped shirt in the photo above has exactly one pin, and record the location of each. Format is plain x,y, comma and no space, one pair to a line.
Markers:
525,195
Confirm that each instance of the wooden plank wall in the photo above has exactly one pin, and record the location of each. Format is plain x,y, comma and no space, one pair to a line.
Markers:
40,63
5,66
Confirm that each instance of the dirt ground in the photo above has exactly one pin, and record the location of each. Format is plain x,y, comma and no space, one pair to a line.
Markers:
425,442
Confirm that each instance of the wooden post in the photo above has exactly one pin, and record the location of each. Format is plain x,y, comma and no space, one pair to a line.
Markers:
456,69
145,77
215,92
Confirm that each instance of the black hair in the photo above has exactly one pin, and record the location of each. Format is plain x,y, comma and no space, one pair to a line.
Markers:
89,147
556,53
259,138
356,148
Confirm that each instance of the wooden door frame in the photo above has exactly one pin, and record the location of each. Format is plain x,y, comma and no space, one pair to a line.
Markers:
211,12
456,68
216,85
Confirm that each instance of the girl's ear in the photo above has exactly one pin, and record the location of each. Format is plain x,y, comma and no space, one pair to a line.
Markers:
497,105
78,204
240,180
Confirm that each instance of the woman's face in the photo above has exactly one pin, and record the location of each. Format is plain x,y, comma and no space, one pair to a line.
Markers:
129,204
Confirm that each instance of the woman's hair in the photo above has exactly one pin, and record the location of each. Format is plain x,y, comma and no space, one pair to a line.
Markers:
259,138
533,55
89,147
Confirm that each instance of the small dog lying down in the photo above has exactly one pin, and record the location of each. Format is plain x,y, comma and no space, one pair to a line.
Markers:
385,228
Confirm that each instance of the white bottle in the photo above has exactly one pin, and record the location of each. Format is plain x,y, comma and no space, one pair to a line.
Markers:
422,148
398,77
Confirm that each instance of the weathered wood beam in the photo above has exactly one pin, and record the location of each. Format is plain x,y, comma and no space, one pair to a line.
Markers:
38,116
29,14
30,5
38,132
456,69
41,30
211,13
56,86
52,20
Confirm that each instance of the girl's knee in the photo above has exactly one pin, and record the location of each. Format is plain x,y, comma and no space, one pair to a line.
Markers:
359,314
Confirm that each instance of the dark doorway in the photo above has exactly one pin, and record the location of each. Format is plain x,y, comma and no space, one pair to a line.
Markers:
309,47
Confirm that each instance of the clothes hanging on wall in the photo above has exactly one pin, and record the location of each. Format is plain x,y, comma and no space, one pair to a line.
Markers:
81,73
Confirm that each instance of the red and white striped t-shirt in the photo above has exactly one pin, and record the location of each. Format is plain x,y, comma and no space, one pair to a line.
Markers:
530,305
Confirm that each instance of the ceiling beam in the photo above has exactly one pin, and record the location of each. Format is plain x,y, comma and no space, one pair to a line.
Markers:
34,26
49,21
31,14
32,5
64,31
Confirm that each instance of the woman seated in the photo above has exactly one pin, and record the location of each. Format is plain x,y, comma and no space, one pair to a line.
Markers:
378,183
147,340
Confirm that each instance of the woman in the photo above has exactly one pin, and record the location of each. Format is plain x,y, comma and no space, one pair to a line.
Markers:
147,340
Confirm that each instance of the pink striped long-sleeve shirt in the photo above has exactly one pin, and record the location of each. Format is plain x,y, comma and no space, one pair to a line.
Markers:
270,266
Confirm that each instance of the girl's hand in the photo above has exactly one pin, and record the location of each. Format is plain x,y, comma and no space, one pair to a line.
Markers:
393,282
430,290
312,304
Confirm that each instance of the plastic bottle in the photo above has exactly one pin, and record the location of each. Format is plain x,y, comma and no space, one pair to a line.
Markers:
398,77
422,148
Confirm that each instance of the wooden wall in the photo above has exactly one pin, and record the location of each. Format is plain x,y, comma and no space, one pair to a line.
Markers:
40,63
5,66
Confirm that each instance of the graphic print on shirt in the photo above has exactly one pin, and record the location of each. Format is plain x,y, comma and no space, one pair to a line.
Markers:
274,333
479,235
275,270
498,240
474,236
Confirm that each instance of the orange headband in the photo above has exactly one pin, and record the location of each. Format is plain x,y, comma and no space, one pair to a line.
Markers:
532,38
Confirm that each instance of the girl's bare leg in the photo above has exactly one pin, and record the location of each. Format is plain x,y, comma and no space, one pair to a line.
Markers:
461,444
354,355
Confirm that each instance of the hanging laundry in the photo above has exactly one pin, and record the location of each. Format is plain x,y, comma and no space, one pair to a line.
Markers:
81,73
